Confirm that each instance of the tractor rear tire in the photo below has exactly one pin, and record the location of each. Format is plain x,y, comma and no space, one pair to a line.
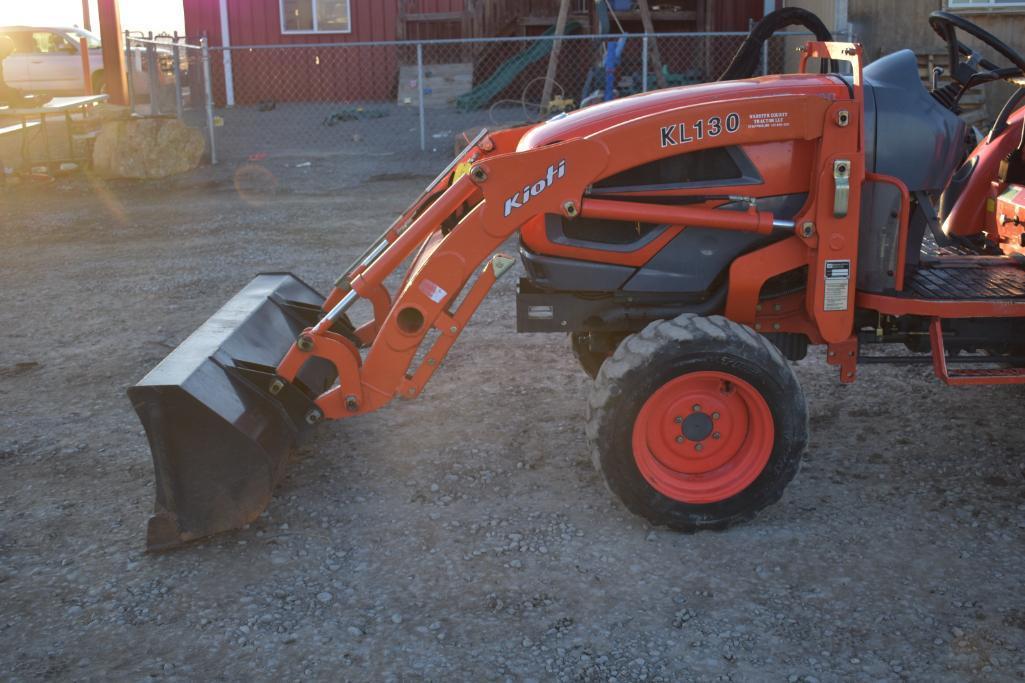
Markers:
697,423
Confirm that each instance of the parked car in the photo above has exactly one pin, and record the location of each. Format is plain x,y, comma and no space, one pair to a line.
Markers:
47,59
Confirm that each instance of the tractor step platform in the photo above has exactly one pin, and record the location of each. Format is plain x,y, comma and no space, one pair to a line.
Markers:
962,281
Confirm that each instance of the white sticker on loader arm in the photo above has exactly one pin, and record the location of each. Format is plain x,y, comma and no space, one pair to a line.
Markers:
432,291
838,280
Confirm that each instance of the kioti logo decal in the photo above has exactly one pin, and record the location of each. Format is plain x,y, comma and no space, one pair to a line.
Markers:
555,171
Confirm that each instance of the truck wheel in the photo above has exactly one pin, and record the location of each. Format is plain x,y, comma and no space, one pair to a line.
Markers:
697,423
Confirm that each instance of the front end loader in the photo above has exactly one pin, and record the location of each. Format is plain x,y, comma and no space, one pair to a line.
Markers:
690,241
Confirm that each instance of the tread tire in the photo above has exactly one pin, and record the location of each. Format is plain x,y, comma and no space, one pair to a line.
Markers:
666,349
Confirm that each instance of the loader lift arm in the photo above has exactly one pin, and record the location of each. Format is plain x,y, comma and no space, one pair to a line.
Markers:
506,188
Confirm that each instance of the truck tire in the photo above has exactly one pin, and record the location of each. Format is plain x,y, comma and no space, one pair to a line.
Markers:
697,423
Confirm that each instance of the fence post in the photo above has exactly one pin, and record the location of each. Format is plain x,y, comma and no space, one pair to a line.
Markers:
765,58
644,63
420,94
130,65
208,94
179,107
154,76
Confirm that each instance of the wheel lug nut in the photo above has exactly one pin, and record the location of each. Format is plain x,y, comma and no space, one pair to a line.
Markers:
716,435
715,416
698,447
697,408
679,439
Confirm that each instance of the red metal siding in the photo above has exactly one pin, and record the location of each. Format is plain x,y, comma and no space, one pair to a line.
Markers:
313,74
202,16
258,22
308,74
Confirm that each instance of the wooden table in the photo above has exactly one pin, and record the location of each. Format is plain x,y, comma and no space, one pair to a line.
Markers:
63,106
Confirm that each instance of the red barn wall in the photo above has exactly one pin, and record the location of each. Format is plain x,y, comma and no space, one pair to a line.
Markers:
339,74
299,74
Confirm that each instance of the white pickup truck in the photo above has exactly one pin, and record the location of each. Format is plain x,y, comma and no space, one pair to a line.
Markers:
46,59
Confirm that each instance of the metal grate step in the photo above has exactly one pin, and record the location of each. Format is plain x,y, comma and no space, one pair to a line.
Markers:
966,376
966,284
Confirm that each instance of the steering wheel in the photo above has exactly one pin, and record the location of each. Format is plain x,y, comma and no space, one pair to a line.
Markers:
975,69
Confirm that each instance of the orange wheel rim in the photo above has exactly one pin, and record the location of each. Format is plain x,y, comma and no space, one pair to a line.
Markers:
703,437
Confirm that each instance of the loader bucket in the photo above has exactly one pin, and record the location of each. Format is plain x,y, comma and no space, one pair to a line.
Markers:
219,439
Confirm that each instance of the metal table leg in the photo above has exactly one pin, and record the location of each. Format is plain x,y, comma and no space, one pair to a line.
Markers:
46,138
71,141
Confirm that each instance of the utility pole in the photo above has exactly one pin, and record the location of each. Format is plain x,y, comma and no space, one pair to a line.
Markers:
553,58
649,28
113,51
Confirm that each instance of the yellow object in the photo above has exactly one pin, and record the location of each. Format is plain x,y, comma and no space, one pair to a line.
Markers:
218,122
461,170
560,104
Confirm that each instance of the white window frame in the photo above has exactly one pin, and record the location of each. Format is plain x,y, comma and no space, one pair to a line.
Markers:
988,7
314,30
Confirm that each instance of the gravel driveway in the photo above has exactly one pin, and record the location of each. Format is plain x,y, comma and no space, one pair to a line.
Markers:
464,535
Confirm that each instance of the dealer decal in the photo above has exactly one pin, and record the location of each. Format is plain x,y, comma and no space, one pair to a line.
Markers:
555,171
714,126
769,119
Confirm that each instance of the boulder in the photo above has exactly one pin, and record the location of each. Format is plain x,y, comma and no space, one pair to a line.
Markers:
154,147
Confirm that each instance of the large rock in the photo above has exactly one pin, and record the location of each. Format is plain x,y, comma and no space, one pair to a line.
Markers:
146,148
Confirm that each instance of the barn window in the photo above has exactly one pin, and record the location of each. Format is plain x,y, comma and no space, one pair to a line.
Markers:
315,16
987,4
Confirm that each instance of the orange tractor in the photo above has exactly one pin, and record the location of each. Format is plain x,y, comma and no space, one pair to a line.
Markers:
690,240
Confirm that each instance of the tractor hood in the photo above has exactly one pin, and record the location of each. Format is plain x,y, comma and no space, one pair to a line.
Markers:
908,134
607,114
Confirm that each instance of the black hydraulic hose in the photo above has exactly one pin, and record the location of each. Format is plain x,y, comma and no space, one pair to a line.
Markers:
1001,123
745,62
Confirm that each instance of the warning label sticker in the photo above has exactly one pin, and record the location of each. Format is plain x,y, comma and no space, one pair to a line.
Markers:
433,291
838,279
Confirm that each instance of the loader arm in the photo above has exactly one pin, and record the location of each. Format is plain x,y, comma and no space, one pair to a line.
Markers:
507,187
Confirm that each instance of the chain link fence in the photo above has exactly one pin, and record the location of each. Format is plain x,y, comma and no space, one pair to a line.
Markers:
171,76
356,98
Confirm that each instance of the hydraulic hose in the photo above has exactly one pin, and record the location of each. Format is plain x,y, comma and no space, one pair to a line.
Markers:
745,62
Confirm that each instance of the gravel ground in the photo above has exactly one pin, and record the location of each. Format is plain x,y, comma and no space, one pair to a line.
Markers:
464,535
